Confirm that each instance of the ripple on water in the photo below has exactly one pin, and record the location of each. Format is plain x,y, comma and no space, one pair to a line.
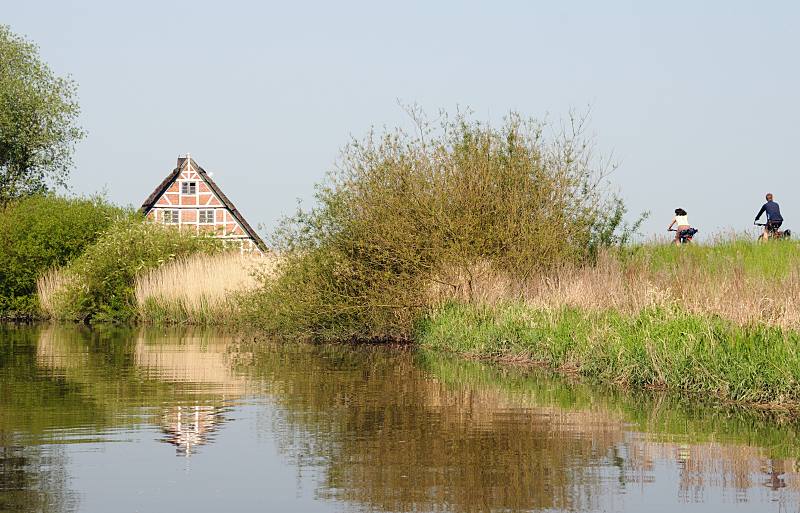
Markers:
94,420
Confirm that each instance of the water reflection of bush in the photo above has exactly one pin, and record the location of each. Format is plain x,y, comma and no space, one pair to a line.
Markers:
395,434
390,437
33,477
393,440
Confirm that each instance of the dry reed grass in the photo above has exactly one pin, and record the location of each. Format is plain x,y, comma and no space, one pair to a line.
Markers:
201,288
49,287
630,287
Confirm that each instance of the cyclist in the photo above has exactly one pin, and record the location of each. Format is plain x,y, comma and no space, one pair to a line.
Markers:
681,219
774,218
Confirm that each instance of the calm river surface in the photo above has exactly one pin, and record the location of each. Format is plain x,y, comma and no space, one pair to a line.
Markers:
157,420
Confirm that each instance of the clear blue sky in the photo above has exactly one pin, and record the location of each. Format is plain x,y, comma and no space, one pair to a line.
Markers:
698,101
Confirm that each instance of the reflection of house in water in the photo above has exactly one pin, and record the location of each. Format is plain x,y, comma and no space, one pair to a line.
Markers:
187,427
180,375
197,364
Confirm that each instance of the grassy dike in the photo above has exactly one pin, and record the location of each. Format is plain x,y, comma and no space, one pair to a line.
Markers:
655,348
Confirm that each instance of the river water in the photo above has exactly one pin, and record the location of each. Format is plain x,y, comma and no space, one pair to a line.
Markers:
156,420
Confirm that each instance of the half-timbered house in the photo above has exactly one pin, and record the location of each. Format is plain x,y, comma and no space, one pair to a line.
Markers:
189,199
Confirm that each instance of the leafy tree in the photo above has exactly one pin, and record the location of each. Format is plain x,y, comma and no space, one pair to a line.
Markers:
38,115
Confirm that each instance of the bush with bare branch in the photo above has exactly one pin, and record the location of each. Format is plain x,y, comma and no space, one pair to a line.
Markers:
401,211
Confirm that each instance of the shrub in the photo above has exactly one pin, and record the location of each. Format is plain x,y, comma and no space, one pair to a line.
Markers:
99,284
41,232
403,212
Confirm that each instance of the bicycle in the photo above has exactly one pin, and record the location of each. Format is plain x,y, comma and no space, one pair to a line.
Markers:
773,231
685,236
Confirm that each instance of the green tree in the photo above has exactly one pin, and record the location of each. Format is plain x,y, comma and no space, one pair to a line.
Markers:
38,116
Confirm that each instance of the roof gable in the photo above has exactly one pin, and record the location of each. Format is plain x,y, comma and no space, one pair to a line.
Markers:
189,164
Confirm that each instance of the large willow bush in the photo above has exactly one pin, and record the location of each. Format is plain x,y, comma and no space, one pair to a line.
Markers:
402,213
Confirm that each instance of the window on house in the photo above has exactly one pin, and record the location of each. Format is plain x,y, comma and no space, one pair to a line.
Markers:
171,216
207,216
188,187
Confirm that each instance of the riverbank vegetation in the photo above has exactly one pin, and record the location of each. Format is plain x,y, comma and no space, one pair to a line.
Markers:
502,243
84,259
402,213
99,285
41,232
505,243
720,320
655,348
199,289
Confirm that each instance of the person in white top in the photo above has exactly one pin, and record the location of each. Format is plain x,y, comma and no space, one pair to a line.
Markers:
681,222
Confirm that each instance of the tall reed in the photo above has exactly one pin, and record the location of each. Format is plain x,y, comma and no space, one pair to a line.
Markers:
98,285
50,287
199,289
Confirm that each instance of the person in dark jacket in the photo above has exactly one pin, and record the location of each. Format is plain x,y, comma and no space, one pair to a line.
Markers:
774,218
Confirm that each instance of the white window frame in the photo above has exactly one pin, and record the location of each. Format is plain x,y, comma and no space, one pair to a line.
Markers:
172,212
187,185
210,212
